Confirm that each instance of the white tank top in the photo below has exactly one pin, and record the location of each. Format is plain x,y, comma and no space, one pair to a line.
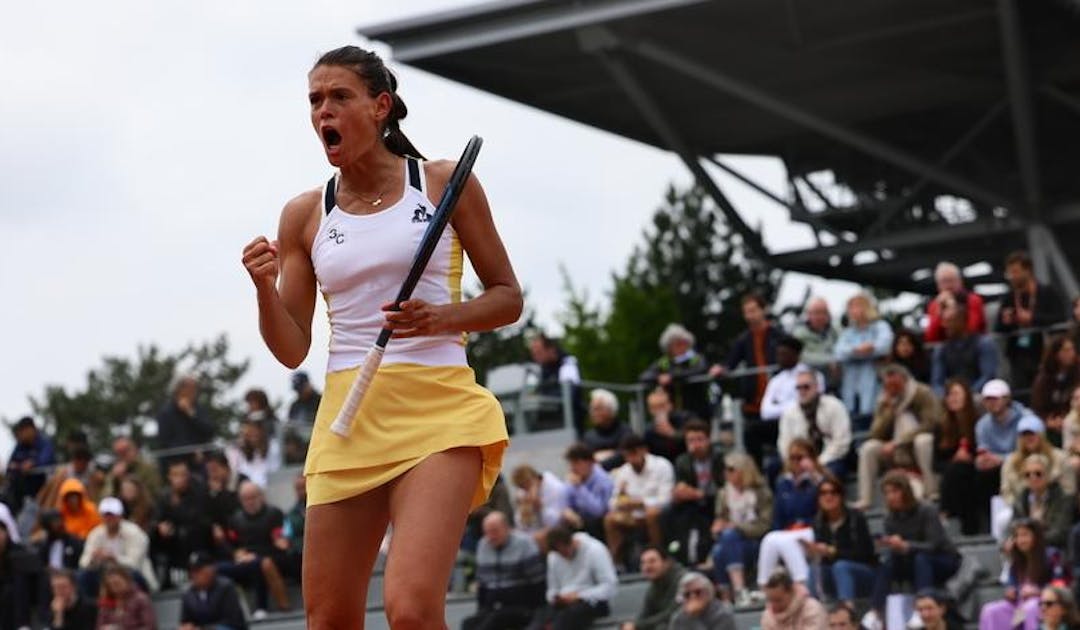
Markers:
360,262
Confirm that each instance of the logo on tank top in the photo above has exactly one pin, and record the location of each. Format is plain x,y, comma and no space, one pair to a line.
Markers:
421,215
337,237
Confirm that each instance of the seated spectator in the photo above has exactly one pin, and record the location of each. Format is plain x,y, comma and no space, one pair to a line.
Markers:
509,577
788,606
643,488
973,358
221,488
996,434
842,617
664,433
122,606
794,511
681,372
935,611
699,473
1051,394
255,455
79,514
260,412
17,567
182,422
540,499
780,393
954,457
902,434
818,336
130,462
1070,429
117,540
303,409
698,606
589,490
1014,476
68,609
951,289
908,351
581,581
842,551
295,523
1044,502
866,340
558,367
498,501
915,546
182,523
210,601
138,504
607,432
661,600
27,466
1027,305
255,542
820,418
1032,565
744,513
57,549
1057,609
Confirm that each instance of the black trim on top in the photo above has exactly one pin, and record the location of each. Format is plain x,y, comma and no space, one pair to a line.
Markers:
414,173
330,200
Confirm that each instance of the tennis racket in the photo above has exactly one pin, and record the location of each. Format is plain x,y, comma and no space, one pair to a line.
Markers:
343,422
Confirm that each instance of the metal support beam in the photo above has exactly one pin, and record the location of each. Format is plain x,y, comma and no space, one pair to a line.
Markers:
902,29
1017,79
817,192
602,43
1049,259
870,146
715,161
1063,98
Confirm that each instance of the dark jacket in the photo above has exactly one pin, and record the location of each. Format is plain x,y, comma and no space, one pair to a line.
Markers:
221,506
1050,393
921,529
255,532
1027,349
17,568
684,472
660,604
685,396
852,539
218,606
72,550
177,428
796,501
742,353
81,616
42,453
1058,515
511,576
189,514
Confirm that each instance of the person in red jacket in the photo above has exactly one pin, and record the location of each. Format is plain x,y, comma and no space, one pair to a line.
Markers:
950,287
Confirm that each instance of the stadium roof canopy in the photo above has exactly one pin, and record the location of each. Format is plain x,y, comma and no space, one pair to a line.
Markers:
912,130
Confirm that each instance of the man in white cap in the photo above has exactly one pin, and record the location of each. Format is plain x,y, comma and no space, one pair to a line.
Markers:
118,540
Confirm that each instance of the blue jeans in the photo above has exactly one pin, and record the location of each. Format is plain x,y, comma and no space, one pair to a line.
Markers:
731,551
838,467
248,574
844,579
925,570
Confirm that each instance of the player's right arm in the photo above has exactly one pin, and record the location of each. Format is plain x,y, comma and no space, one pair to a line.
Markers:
285,281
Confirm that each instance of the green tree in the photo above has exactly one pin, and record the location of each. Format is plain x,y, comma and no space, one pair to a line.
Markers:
123,393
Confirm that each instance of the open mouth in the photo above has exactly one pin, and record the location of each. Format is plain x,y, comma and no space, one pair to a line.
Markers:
331,137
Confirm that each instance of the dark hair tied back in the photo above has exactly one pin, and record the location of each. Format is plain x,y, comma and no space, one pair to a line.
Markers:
371,70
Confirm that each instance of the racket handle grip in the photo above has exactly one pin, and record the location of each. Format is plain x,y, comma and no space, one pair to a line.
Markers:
343,422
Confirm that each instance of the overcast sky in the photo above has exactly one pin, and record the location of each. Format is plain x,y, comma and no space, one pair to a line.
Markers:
144,143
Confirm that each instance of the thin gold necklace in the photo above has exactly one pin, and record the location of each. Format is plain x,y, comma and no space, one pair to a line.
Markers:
374,203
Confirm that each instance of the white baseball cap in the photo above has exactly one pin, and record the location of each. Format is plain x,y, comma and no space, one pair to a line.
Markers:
111,505
996,388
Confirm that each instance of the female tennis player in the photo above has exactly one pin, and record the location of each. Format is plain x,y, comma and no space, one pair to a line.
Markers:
427,443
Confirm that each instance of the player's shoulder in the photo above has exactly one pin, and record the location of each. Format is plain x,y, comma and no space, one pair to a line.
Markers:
301,207
438,172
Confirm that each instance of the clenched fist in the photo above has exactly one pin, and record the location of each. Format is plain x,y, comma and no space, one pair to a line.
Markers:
261,261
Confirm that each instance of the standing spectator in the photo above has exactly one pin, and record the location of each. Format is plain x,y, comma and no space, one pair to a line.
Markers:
935,611
789,606
699,473
681,372
820,418
589,490
996,435
1031,568
581,581
842,551
607,432
698,606
1057,609
902,434
510,577
260,412
1027,305
780,393
661,600
973,358
68,609
26,469
303,409
558,367
182,422
183,520
1052,391
818,336
255,541
123,606
138,504
744,511
255,455
954,456
1043,501
915,544
210,601
541,500
755,348
1031,441
664,435
130,462
794,511
643,487
866,340
17,566
116,540
951,289
293,530
79,513
908,351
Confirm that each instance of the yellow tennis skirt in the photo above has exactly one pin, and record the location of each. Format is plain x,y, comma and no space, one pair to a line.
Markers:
409,412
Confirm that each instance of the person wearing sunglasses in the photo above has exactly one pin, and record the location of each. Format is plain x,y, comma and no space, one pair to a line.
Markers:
788,606
1057,609
819,417
1045,501
842,554
793,514
744,510
698,607
1031,441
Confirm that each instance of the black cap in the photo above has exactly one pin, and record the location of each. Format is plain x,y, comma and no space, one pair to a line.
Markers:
24,422
790,342
200,559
